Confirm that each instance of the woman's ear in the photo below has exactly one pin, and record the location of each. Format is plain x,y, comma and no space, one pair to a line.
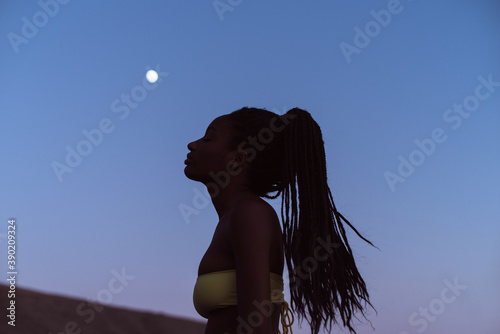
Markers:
238,162
241,159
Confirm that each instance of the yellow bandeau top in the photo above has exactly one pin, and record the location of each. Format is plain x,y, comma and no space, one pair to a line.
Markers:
217,290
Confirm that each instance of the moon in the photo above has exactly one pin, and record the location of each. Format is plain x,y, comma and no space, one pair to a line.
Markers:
151,76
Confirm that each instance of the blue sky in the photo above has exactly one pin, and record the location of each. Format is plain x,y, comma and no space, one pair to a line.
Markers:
432,208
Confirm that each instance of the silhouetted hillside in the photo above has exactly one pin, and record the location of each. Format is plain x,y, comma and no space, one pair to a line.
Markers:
40,313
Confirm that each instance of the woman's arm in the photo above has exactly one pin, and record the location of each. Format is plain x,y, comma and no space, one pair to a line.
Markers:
251,236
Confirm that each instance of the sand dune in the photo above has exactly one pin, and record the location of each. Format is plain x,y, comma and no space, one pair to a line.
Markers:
41,313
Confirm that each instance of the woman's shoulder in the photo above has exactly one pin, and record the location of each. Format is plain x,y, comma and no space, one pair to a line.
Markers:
253,214
253,231
253,209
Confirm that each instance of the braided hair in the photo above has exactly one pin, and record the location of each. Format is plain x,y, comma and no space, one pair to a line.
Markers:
291,162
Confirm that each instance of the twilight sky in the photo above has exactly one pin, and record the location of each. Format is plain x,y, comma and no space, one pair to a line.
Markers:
407,94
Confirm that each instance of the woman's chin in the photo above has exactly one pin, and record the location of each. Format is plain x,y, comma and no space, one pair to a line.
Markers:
187,173
190,175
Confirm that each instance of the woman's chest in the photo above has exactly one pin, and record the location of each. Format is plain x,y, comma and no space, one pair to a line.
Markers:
218,255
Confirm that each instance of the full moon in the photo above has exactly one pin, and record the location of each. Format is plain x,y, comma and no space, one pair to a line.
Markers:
152,76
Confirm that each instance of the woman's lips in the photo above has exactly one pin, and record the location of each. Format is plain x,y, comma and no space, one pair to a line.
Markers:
188,159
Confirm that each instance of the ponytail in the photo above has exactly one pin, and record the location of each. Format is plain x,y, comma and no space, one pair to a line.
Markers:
320,284
323,275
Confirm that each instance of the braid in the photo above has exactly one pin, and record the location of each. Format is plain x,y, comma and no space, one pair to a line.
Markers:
294,165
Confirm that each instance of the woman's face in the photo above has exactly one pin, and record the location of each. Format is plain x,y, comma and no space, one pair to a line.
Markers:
210,154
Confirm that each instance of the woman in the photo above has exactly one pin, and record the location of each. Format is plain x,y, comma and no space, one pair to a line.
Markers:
244,157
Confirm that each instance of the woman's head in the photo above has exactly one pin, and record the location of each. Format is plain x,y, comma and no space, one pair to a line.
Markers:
246,144
212,154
